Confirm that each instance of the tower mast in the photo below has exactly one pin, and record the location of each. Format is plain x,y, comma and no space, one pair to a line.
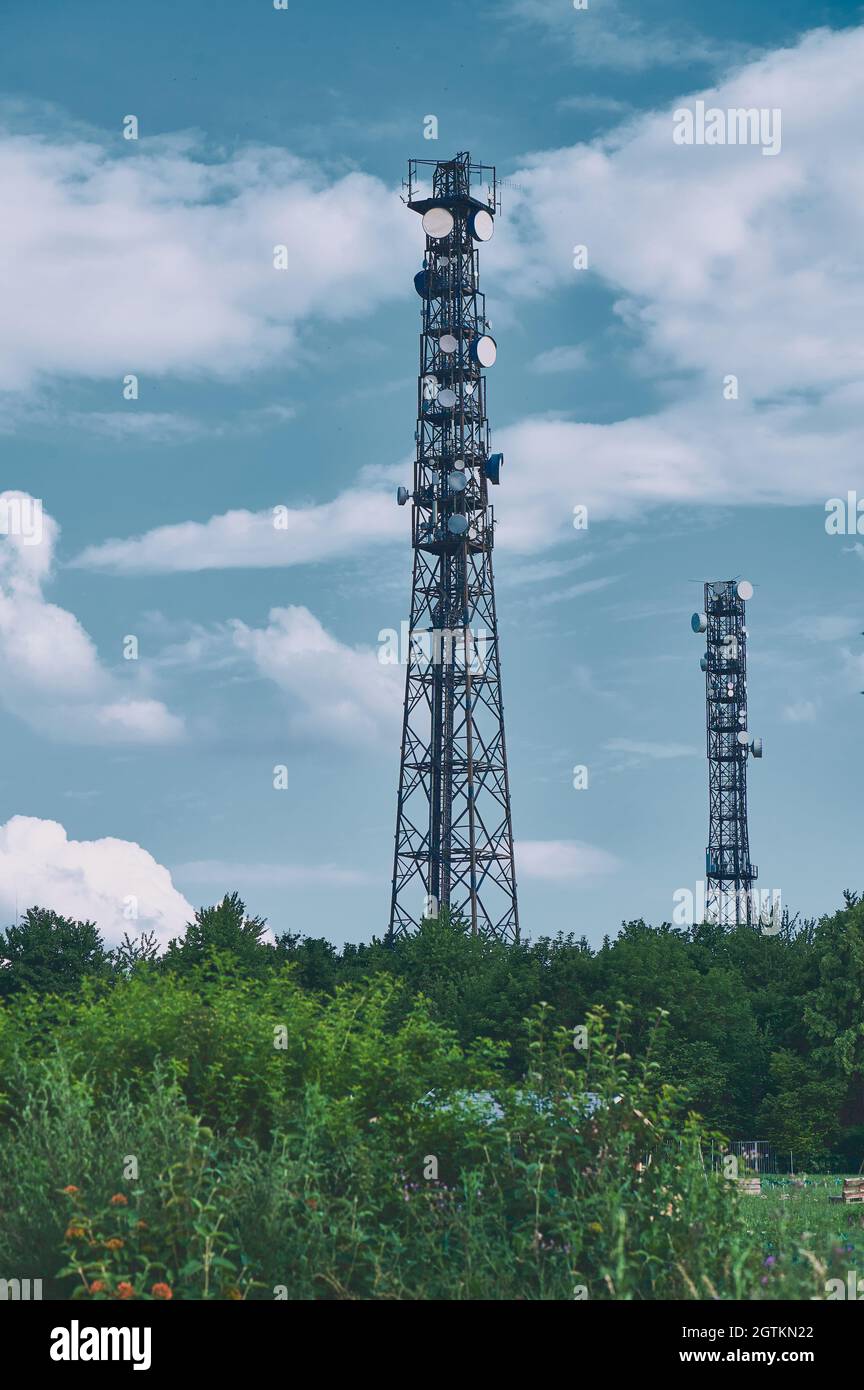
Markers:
728,869
454,836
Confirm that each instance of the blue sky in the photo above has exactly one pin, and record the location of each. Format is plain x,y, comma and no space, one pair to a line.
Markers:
149,782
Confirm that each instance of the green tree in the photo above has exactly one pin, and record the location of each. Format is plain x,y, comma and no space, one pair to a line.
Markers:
224,930
50,954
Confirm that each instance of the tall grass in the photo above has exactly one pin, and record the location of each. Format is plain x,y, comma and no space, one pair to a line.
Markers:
217,1138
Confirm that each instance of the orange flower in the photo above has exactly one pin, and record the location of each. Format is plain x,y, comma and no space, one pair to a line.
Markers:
74,1233
98,1286
162,1291
235,1294
118,1200
311,1203
114,1243
140,1225
125,1290
71,1190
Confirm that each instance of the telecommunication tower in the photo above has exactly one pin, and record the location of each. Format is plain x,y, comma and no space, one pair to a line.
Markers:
454,836
728,870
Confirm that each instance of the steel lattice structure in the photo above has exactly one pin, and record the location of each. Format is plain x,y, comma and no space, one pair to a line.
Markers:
454,837
728,869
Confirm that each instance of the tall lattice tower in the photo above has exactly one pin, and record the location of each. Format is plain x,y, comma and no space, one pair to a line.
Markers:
454,836
729,872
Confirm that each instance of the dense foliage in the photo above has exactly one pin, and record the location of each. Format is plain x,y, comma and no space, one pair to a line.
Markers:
237,1118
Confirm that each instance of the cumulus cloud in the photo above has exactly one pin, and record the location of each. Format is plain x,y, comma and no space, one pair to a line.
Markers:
757,275
114,883
559,861
282,535
338,692
154,256
50,673
758,272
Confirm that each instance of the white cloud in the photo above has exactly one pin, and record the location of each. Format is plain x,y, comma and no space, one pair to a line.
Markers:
360,517
339,692
801,712
655,751
561,860
227,876
607,34
103,881
757,270
147,257
825,627
559,359
50,673
587,101
758,274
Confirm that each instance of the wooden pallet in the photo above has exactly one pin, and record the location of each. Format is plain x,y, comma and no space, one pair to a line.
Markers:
853,1191
751,1185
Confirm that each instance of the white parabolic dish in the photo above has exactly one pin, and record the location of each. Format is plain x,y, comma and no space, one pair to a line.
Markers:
437,222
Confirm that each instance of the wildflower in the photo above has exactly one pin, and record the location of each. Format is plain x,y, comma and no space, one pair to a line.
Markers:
114,1243
162,1291
98,1286
71,1190
596,1228
140,1225
74,1232
311,1203
770,1260
125,1290
235,1294
118,1200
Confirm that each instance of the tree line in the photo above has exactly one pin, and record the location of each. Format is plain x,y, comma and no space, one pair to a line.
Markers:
765,1032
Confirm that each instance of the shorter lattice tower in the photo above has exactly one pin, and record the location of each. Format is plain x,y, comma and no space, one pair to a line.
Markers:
730,874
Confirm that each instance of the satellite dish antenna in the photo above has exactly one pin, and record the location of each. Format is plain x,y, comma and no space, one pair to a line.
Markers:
744,738
457,525
492,468
447,398
744,589
703,663
481,225
438,222
401,495
484,350
699,622
457,482
458,463
447,343
756,748
427,286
